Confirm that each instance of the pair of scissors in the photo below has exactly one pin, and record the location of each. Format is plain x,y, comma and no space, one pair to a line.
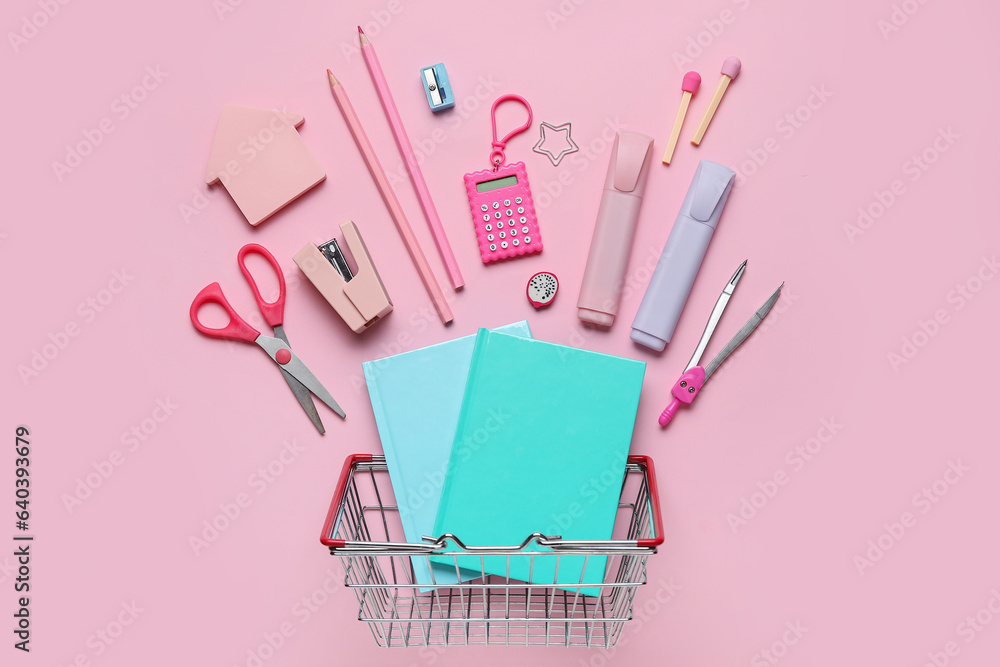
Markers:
687,387
299,378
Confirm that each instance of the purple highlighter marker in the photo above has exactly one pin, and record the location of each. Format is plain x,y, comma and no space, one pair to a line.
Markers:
681,258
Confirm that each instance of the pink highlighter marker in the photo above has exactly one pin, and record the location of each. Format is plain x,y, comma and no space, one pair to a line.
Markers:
615,228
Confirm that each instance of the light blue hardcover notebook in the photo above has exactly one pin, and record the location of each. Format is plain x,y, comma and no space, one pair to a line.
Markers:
416,397
541,446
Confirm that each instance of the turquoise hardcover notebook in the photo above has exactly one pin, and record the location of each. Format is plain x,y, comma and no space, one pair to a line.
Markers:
416,397
541,446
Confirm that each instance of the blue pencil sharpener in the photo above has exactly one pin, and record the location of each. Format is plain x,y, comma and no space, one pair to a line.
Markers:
437,88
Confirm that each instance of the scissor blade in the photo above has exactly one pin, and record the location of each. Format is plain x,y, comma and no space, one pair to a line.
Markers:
299,371
742,334
301,393
305,400
716,315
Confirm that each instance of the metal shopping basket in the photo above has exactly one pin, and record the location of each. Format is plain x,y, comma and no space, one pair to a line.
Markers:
363,529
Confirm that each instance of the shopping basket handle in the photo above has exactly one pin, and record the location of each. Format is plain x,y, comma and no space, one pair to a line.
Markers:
654,502
325,537
542,540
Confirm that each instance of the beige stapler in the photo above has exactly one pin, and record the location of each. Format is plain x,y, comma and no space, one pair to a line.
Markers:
359,298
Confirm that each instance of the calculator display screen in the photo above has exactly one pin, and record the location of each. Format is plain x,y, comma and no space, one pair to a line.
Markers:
496,183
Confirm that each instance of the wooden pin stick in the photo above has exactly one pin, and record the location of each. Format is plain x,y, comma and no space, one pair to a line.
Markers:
730,70
692,80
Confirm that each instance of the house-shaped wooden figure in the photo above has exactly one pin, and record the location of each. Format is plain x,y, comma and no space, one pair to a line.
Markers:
261,160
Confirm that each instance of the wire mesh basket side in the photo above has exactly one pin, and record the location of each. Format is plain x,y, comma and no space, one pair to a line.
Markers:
364,530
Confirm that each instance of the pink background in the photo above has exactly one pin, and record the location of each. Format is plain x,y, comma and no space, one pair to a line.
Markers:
823,354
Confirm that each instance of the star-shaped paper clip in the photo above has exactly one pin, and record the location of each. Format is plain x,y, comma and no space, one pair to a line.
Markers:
556,156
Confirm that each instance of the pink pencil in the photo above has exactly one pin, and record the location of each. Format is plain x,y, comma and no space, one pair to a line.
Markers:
385,96
378,174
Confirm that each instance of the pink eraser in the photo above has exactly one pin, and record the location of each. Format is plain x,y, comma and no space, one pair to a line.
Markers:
691,82
731,67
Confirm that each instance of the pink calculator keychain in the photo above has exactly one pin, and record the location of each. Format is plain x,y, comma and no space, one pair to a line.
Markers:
502,208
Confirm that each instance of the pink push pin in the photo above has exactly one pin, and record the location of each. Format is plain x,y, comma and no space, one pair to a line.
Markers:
692,80
730,70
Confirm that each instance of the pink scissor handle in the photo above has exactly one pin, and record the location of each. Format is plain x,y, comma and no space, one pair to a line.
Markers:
685,390
273,312
236,329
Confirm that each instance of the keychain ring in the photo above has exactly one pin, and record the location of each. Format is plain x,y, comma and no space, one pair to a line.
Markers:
497,158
